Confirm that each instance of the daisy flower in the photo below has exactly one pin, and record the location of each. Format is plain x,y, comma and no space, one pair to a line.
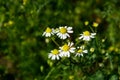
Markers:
66,49
81,51
63,32
86,36
54,54
48,32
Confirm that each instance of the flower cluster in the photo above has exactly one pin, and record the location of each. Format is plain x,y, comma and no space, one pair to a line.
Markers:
68,48
62,32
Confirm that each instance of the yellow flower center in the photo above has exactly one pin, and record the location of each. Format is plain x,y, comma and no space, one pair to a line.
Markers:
80,51
86,23
92,49
63,30
111,48
55,51
10,22
65,47
48,30
95,24
71,77
24,2
86,33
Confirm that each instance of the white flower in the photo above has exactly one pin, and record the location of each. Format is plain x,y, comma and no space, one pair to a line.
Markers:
66,49
86,36
48,32
54,54
81,51
63,32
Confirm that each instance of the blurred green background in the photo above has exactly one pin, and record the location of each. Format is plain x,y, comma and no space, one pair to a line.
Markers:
24,51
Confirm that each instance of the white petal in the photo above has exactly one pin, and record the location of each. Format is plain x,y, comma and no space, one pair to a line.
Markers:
52,33
81,37
93,34
68,55
60,27
57,56
77,54
70,31
53,57
82,47
69,28
58,34
86,38
43,33
64,37
71,44
72,51
65,54
81,54
85,51
67,35
48,34
61,54
73,48
65,27
81,34
50,55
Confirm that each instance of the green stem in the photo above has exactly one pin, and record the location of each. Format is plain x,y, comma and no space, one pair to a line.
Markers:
55,42
95,30
111,64
49,73
91,29
78,41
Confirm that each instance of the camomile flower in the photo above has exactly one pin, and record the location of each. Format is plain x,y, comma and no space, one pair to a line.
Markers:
63,32
54,54
86,36
66,49
81,51
48,32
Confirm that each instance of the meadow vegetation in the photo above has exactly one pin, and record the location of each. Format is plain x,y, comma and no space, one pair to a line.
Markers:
26,51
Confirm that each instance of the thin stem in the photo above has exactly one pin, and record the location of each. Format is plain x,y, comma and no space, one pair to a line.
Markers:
70,63
78,41
49,73
111,64
91,29
55,42
95,30
97,42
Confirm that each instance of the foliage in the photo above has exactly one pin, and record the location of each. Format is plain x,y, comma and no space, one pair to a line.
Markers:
24,51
